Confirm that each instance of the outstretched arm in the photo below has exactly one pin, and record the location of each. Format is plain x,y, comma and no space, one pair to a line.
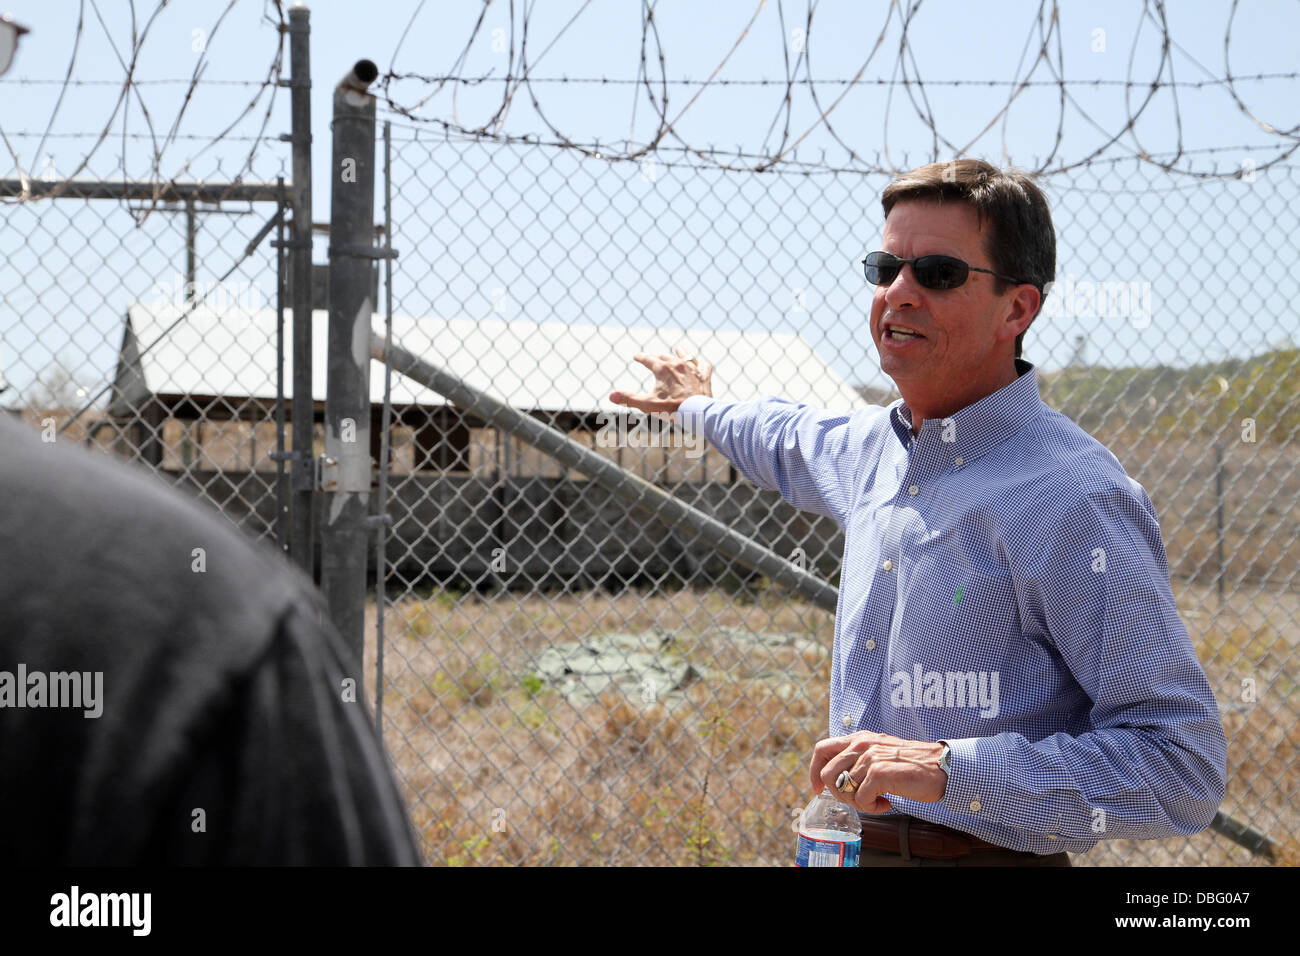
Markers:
805,453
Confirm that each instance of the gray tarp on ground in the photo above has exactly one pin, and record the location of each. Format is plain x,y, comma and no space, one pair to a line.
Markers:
646,666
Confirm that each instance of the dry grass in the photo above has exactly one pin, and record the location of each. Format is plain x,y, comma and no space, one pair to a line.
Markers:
498,769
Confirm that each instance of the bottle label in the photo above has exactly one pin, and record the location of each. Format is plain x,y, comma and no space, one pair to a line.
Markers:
820,851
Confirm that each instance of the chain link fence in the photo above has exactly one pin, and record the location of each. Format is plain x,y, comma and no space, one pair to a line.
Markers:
141,319
564,682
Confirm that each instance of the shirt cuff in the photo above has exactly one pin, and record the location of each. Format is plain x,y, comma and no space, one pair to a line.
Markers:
976,779
690,414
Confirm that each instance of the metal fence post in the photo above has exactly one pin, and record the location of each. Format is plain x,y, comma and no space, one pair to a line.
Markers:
1218,519
283,512
381,517
301,544
346,468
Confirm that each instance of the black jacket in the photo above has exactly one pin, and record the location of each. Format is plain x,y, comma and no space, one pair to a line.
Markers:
223,736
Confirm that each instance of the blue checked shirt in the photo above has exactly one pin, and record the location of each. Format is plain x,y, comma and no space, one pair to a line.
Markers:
1005,589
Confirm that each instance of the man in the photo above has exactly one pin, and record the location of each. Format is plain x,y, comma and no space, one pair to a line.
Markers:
1010,677
170,692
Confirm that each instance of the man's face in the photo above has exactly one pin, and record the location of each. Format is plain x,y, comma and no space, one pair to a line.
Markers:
965,330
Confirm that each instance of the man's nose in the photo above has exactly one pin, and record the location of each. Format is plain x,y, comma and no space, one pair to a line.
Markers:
904,291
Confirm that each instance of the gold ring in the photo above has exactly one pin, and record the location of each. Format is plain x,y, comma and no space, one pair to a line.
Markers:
844,783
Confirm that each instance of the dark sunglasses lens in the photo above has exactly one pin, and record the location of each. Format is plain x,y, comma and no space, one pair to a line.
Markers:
882,268
940,272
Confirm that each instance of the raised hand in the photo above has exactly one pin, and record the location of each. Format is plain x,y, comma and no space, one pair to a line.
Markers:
677,378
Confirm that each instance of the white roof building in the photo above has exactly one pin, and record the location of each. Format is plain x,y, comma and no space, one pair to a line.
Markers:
548,366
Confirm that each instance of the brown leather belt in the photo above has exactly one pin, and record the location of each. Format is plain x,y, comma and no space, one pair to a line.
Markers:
912,837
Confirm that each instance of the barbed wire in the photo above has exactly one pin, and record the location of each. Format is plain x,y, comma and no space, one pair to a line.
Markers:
179,137
845,81
727,160
1041,66
129,89
789,129
174,81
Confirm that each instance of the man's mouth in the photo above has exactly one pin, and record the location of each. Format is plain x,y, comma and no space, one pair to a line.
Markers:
901,333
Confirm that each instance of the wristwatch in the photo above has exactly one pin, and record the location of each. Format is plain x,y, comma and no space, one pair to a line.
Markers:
945,758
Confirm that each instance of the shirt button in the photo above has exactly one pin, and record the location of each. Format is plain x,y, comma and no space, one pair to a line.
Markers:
871,645
960,461
888,565
913,490
975,806
846,720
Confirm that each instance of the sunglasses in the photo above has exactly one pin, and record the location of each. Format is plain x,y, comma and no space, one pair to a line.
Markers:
932,272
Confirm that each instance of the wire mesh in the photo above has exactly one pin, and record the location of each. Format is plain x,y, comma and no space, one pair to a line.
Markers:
148,328
565,683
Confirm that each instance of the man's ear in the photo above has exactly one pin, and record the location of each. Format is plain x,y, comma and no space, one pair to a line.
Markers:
1021,311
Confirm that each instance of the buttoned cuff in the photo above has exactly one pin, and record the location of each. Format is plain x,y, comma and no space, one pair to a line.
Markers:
690,414
976,779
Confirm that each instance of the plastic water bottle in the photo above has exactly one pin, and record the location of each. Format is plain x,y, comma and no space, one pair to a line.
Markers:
830,833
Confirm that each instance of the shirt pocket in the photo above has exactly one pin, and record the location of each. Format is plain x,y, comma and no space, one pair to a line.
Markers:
956,601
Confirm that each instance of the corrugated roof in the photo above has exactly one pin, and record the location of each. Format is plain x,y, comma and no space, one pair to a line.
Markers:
533,365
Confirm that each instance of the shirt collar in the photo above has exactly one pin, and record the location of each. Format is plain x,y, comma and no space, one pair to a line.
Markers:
973,430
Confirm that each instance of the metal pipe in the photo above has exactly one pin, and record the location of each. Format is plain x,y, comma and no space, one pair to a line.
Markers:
302,544
191,252
381,515
359,78
282,492
347,467
635,490
145,191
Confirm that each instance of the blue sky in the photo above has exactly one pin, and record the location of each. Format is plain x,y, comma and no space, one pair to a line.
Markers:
1115,226
950,41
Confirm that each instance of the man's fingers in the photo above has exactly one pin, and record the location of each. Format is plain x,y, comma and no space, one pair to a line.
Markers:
633,398
866,797
662,363
831,745
823,752
831,768
644,403
676,379
701,368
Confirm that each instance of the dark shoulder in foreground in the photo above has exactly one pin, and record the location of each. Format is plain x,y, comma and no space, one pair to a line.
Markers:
210,725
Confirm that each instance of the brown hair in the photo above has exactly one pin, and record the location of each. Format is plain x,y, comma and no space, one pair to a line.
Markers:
1020,239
